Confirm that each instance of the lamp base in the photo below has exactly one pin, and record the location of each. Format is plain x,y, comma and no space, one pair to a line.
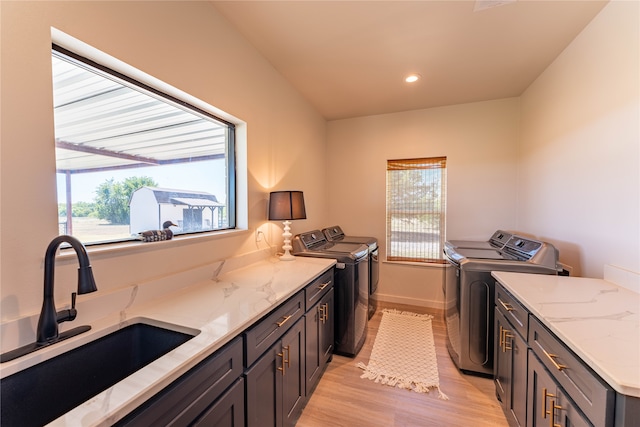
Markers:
286,256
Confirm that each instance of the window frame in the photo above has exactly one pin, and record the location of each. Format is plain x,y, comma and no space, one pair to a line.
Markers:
231,155
416,164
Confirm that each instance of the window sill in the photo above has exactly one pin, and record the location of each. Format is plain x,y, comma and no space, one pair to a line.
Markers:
419,264
129,247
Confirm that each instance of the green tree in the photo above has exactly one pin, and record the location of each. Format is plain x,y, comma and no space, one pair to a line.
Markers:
414,193
79,209
112,197
83,209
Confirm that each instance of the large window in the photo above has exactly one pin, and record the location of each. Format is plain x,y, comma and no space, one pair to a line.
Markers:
130,158
416,209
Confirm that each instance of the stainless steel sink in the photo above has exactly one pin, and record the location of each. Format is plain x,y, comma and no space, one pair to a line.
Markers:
42,393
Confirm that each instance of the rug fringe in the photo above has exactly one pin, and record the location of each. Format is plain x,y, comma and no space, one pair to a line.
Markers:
406,313
398,382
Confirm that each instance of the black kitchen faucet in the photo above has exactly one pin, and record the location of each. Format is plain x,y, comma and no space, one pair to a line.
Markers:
47,331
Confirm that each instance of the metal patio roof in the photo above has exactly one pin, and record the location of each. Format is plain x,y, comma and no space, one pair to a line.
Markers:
103,124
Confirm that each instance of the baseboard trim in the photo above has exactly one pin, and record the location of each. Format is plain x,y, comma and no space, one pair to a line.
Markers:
409,301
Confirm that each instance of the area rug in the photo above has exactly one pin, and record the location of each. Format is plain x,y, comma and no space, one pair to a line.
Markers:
404,354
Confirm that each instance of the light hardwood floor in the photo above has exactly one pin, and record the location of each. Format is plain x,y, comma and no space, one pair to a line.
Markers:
342,398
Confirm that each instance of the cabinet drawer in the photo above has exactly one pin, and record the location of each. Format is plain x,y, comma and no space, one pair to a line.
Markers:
316,289
187,397
267,331
592,395
511,308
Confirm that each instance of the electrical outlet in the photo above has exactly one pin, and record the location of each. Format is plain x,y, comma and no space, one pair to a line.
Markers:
258,236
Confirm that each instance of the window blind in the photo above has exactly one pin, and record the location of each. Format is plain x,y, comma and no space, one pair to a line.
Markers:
416,201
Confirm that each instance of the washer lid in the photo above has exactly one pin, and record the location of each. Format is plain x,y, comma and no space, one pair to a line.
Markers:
357,249
471,244
314,242
477,253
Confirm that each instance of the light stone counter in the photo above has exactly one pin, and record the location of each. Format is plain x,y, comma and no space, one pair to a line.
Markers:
217,308
598,320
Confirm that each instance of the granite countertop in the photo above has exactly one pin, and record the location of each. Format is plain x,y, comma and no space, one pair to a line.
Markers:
598,320
218,309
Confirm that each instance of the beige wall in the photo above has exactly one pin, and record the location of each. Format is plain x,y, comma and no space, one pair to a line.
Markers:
480,143
186,44
560,163
577,163
579,183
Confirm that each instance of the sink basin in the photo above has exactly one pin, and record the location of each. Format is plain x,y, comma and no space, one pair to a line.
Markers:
43,392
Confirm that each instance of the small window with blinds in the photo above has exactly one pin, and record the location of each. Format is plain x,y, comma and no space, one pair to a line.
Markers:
416,196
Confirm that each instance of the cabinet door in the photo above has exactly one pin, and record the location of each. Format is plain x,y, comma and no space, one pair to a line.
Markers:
502,361
228,411
542,394
264,389
594,397
326,331
567,414
293,373
275,383
186,398
517,347
550,404
319,339
313,357
510,365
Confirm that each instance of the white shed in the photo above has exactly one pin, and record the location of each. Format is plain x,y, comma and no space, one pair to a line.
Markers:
190,210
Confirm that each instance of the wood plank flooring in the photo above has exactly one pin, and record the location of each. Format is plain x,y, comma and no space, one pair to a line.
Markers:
342,398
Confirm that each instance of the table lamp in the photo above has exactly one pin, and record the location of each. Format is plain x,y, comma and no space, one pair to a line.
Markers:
285,206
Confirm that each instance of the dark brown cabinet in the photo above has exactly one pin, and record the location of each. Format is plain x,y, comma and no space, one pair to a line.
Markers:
510,356
261,378
212,390
262,335
319,320
539,380
510,365
228,411
550,406
275,383
287,353
588,392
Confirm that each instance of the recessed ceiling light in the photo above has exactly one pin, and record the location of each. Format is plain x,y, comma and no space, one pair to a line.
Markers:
412,78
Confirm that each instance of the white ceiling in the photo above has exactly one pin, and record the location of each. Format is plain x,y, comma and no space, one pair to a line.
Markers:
349,58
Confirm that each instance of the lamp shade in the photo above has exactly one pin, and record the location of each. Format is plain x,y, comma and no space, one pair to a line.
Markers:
286,205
